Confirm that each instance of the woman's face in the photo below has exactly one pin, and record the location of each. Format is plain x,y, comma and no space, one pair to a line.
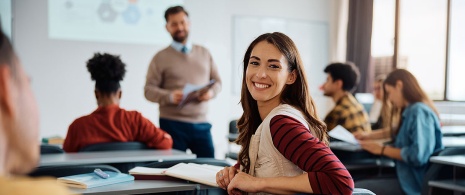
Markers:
267,74
378,90
395,95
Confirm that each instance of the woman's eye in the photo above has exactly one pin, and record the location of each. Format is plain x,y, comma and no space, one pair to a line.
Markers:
274,66
254,63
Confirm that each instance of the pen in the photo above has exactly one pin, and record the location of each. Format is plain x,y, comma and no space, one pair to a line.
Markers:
101,174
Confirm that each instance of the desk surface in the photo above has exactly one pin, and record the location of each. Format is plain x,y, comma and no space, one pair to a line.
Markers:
112,157
455,185
139,187
453,130
455,160
345,146
450,142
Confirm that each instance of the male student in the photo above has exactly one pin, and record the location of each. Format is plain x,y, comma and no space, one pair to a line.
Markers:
19,129
169,71
342,78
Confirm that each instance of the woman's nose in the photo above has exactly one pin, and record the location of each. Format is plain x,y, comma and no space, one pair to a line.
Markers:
261,73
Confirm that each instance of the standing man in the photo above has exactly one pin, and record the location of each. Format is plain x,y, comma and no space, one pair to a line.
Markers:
19,129
169,71
342,78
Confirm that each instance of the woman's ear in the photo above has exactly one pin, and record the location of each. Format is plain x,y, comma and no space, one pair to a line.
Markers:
6,95
97,94
399,85
291,78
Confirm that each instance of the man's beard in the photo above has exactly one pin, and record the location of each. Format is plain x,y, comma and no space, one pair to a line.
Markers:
328,93
178,38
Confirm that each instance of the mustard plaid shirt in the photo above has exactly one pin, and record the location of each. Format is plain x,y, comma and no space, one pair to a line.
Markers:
349,114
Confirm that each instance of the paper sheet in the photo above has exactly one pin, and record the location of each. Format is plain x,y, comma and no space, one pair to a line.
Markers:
341,133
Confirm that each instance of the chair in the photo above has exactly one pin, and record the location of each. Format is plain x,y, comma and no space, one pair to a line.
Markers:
112,146
208,161
117,146
62,171
232,136
363,165
439,171
50,149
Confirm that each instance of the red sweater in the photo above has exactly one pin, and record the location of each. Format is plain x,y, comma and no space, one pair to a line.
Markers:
113,124
327,175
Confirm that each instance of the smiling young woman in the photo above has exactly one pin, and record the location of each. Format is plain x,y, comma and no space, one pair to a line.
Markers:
284,145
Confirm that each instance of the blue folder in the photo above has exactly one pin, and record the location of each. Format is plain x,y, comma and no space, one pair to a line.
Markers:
90,180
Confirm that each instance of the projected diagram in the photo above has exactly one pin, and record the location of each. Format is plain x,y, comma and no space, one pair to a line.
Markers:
121,21
130,15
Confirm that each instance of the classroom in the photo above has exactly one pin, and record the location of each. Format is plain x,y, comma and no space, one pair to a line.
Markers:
376,40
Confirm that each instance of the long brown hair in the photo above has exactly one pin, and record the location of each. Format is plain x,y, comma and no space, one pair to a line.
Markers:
385,113
411,91
296,94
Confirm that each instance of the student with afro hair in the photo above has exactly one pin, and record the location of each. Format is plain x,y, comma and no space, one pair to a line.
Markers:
109,122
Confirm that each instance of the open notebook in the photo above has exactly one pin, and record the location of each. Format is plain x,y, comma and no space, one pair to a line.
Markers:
200,173
145,173
341,133
90,180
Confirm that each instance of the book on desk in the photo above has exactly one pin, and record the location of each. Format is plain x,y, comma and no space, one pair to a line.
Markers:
90,180
146,173
199,173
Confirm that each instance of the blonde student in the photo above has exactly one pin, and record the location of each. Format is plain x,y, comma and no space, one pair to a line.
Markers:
284,145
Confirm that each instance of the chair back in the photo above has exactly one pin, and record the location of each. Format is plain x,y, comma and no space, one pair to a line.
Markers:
112,146
50,149
233,127
232,136
208,161
63,171
439,171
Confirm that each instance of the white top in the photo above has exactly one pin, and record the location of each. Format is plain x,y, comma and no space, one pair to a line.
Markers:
375,111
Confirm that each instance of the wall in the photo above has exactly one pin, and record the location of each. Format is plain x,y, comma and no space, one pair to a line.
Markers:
63,87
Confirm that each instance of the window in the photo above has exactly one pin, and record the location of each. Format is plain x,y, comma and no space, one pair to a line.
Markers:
382,40
456,66
425,46
422,42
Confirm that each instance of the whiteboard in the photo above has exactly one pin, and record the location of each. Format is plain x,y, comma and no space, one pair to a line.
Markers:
115,21
311,38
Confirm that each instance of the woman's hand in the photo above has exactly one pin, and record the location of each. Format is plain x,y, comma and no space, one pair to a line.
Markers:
224,177
361,135
374,147
243,182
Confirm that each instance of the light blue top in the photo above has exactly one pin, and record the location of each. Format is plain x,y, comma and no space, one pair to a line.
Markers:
419,136
178,46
